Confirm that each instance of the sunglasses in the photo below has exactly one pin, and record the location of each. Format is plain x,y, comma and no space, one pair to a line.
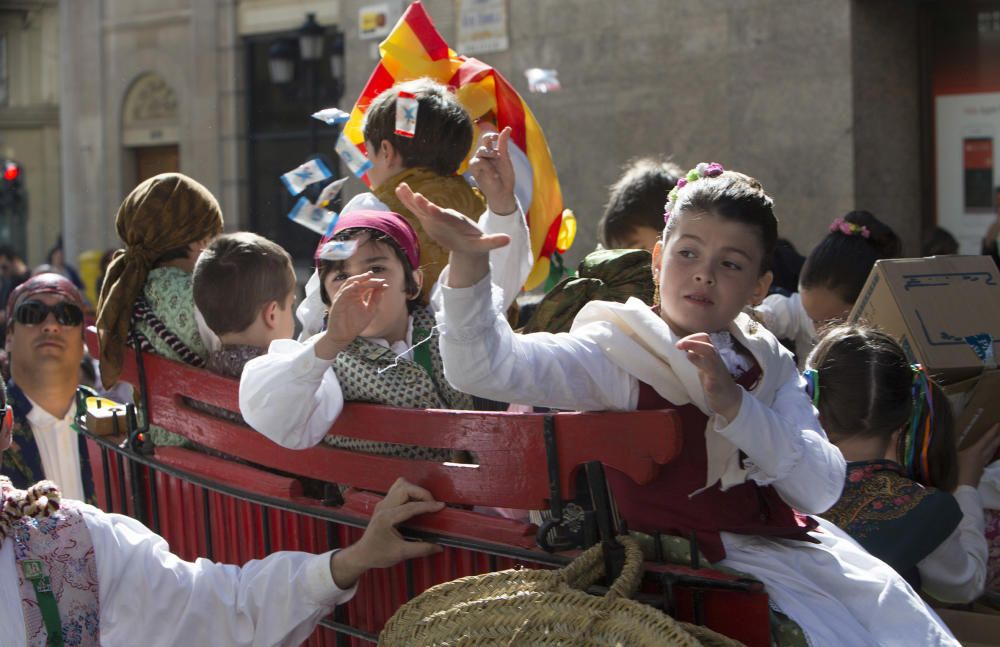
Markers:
32,313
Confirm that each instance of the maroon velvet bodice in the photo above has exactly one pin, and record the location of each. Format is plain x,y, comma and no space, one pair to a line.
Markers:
664,505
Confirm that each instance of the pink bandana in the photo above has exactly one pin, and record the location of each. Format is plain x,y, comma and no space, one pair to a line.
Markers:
389,223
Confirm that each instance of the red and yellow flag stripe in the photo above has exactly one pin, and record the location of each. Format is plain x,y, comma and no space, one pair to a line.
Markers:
415,49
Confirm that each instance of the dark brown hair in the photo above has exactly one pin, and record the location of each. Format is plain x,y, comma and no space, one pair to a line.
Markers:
443,135
731,196
411,288
236,276
637,199
866,389
842,262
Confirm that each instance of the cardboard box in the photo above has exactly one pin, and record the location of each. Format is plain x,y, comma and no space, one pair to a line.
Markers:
976,405
944,310
972,629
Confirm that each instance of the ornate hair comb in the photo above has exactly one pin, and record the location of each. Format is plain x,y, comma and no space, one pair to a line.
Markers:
703,170
850,228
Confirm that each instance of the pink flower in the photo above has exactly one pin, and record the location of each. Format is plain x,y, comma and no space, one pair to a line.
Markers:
714,169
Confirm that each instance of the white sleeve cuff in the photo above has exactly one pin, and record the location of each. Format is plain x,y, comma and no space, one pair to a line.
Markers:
318,584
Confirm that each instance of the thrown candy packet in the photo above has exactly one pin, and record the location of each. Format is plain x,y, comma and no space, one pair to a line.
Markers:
542,81
406,114
312,217
338,250
332,116
330,192
302,176
352,156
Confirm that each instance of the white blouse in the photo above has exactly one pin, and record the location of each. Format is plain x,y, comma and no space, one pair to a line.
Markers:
149,596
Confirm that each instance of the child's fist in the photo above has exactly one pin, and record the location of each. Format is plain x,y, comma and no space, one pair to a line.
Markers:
724,396
493,170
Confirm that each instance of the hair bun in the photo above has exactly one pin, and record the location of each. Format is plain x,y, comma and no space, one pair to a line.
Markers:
885,241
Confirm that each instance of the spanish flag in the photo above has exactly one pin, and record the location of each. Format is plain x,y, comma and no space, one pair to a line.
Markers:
415,49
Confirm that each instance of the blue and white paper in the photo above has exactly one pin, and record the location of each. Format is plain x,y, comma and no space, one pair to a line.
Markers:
330,192
309,215
352,156
332,116
299,178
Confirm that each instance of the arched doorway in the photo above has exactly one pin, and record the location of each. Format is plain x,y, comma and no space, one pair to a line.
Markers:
150,129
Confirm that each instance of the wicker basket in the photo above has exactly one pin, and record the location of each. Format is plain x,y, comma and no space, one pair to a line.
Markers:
541,607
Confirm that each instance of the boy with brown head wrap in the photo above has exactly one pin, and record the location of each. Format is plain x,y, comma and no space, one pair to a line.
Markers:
164,223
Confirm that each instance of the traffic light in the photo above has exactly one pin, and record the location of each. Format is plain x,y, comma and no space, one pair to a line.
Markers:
13,204
13,198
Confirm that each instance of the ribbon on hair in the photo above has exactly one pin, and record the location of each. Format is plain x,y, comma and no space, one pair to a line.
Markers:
916,450
812,385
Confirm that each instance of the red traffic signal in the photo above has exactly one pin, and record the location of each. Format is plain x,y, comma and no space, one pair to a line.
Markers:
11,171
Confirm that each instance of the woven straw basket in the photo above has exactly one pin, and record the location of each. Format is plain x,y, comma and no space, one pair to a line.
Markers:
544,608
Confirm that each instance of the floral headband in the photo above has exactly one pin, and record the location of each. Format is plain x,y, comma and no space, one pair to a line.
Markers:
849,228
703,170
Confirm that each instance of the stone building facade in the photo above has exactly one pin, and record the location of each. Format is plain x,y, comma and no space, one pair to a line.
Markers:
29,119
819,99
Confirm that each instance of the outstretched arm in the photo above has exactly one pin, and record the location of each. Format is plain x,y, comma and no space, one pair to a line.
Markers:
148,592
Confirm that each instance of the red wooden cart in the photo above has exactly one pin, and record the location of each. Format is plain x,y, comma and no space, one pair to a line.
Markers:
240,496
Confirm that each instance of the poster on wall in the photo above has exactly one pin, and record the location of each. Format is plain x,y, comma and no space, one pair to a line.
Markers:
482,26
377,20
967,128
965,82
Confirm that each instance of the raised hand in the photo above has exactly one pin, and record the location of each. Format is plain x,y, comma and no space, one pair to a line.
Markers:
449,228
382,545
724,396
493,170
469,246
352,309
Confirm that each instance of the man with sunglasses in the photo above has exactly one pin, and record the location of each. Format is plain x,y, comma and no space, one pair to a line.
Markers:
45,344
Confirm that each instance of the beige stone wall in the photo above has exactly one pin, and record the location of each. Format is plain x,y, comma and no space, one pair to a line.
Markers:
108,44
29,123
777,89
763,86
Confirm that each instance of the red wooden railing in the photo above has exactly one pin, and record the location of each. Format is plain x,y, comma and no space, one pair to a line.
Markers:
241,496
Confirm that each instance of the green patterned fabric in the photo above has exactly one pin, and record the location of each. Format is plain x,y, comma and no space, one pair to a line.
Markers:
169,294
368,372
604,275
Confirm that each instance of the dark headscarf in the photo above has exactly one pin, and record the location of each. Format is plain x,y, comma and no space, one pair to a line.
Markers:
164,213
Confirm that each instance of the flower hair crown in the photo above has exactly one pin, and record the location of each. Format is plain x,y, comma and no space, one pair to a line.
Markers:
703,170
849,228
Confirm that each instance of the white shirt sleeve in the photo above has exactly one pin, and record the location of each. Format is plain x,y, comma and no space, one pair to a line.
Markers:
782,315
290,395
509,265
786,447
150,596
482,356
956,571
787,319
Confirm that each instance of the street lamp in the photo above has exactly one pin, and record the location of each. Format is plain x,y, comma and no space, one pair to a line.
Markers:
311,39
281,60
